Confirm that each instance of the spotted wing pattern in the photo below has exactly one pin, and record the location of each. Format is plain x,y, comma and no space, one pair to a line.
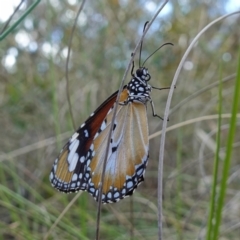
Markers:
70,171
80,163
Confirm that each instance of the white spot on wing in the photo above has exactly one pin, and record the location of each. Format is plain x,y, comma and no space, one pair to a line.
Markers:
128,177
55,168
82,159
96,135
91,147
103,126
109,111
74,136
129,184
140,171
73,147
116,195
74,177
109,195
51,176
73,162
86,133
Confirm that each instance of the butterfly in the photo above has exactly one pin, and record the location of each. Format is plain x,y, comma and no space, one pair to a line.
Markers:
80,163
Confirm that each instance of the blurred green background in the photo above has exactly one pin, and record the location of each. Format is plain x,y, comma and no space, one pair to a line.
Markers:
35,120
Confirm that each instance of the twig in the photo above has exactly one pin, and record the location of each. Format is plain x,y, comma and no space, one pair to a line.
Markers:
67,62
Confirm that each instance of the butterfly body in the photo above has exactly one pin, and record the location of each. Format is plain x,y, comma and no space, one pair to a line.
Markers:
80,163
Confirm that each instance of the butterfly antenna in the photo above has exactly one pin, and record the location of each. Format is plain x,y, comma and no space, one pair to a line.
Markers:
140,52
132,66
156,51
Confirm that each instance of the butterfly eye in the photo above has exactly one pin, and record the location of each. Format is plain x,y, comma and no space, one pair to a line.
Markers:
139,72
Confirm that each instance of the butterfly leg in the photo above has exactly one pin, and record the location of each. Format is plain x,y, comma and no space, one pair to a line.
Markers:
153,109
162,88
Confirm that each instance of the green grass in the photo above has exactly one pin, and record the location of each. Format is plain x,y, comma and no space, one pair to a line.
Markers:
212,213
228,157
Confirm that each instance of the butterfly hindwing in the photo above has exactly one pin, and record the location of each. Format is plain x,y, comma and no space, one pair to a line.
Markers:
127,156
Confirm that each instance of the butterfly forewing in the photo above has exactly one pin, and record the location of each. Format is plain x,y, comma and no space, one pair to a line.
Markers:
69,172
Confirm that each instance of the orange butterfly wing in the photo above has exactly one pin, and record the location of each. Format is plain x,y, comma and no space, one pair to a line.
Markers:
69,169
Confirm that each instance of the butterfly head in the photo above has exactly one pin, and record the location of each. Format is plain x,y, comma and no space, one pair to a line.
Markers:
143,74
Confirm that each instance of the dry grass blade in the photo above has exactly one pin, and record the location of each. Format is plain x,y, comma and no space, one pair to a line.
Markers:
125,221
61,215
32,147
191,121
210,86
67,62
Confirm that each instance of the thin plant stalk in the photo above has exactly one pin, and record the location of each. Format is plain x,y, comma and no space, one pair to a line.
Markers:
10,29
11,17
227,160
216,164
